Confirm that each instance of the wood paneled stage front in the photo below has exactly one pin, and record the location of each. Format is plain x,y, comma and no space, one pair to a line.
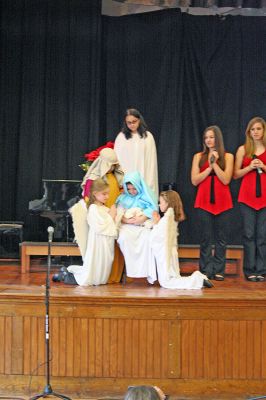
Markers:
102,339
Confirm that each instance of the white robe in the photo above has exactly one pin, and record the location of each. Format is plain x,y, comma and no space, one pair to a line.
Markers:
163,241
134,242
99,255
138,154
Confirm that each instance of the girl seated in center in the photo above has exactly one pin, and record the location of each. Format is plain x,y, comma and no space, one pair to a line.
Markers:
152,253
137,204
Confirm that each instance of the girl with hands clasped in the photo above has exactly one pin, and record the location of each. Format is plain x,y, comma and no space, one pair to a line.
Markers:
211,172
250,166
105,166
103,231
164,245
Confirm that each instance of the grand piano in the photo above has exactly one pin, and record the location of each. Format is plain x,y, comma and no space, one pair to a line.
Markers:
58,197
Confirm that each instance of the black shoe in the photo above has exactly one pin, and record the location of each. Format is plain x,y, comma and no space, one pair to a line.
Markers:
207,283
56,278
251,278
69,279
218,277
260,278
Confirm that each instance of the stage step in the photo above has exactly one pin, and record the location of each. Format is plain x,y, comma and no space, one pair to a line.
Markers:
185,252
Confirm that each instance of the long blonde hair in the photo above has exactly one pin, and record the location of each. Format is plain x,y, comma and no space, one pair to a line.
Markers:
249,144
174,200
98,185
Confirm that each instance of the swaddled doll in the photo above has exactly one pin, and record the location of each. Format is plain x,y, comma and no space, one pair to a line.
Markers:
137,212
133,212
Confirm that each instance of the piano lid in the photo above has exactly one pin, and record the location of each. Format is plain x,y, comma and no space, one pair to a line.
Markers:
59,195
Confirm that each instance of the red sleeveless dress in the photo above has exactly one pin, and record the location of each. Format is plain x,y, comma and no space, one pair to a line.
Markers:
222,194
247,192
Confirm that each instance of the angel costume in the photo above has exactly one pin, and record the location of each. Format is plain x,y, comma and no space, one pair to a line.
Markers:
99,169
138,154
163,241
99,255
134,240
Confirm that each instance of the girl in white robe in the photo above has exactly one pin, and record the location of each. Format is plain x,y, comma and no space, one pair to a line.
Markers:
163,242
102,233
134,234
105,166
136,149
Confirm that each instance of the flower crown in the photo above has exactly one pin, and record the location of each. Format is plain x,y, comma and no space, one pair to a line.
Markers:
93,155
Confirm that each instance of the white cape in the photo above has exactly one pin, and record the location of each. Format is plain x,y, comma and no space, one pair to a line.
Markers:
80,225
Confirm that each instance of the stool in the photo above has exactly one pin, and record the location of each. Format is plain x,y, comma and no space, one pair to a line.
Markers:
11,235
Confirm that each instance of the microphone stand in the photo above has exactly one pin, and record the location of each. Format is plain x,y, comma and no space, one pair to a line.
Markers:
48,391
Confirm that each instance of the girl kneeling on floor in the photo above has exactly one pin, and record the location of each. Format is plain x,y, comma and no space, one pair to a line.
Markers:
102,233
164,245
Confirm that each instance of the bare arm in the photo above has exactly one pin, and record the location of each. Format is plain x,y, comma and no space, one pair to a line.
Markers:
239,172
196,176
155,217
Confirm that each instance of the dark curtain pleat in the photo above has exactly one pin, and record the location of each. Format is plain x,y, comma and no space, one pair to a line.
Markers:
144,69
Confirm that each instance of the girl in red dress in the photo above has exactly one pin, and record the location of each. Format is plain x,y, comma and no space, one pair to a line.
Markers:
211,172
250,165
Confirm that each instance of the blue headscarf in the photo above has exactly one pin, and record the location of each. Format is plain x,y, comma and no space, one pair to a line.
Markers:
144,199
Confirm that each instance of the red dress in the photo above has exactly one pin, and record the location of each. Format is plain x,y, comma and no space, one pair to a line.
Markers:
223,198
247,192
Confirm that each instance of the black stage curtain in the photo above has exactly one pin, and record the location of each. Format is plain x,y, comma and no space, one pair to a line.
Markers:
185,73
50,89
68,74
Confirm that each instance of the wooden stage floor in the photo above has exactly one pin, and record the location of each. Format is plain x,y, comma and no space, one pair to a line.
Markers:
208,343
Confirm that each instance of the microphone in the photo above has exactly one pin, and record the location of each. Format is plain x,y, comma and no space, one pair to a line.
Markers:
50,231
258,168
212,158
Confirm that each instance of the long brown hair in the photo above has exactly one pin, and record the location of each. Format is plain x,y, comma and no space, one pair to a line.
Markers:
219,146
174,200
249,144
98,185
